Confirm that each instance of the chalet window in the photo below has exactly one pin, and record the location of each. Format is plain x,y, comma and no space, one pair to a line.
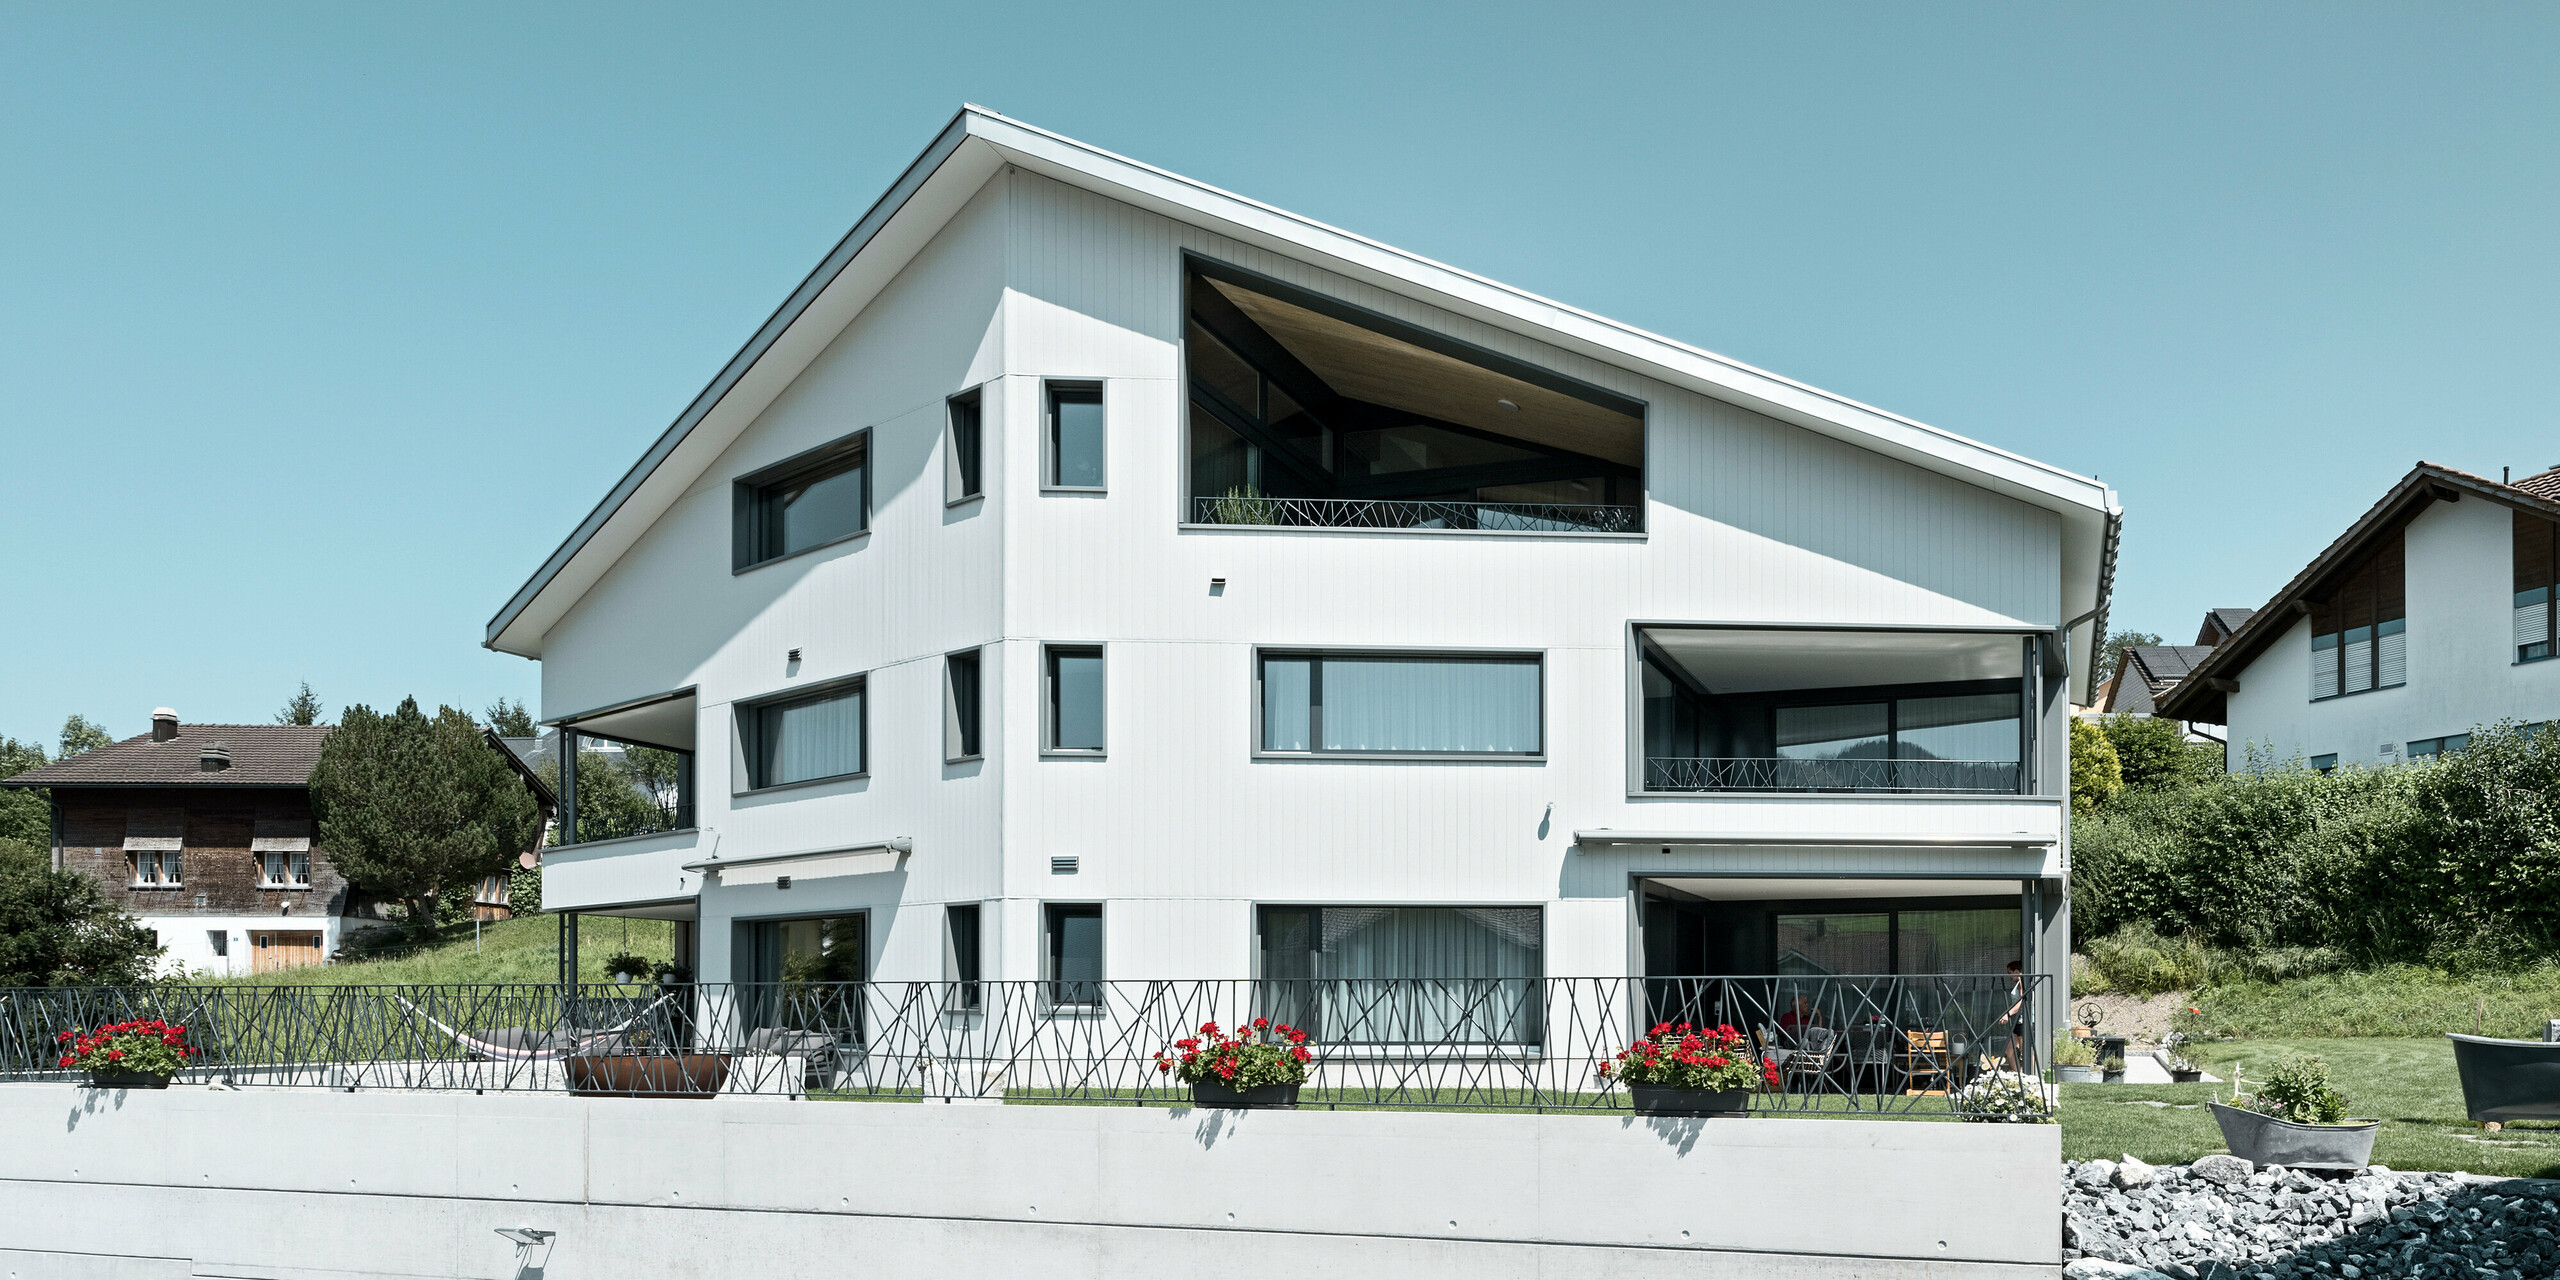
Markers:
2537,606
160,868
280,869
820,497
963,448
805,738
2359,638
1075,436
1423,704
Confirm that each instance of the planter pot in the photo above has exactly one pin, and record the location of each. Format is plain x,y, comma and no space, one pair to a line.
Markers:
128,1080
2189,1076
1269,1097
661,1075
2266,1140
2076,1075
1658,1100
2113,1077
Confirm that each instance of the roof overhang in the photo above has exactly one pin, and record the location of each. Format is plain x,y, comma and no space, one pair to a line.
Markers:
978,143
2203,697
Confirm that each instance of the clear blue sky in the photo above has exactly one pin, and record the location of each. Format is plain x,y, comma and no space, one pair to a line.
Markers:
320,326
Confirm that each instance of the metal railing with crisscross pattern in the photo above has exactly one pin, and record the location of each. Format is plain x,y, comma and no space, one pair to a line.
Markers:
1383,513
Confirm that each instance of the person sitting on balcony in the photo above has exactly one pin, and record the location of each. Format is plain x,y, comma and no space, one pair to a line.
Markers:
1796,1019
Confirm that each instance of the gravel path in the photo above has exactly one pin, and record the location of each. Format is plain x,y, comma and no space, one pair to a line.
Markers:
2221,1219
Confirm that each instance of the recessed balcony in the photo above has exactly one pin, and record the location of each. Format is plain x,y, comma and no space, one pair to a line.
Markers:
1838,711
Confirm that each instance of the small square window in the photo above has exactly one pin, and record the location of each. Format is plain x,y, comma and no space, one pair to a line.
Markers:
1074,959
820,497
960,706
1073,701
1074,442
221,940
961,458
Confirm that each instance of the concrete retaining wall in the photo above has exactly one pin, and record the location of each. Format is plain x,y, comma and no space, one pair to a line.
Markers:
190,1182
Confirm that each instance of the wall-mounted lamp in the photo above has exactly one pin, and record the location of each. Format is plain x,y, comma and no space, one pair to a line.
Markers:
793,656
1217,586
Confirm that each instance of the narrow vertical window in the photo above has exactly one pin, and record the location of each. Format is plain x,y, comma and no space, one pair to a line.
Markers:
960,955
1074,699
1074,960
960,706
2537,599
1075,436
960,477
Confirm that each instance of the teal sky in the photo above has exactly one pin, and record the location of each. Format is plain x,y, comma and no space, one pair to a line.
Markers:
321,325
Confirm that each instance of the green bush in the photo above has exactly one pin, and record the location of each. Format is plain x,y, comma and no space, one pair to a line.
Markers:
2298,1090
2454,863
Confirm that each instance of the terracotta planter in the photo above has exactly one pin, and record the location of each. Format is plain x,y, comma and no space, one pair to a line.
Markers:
2267,1140
660,1075
1269,1097
1660,1100
128,1080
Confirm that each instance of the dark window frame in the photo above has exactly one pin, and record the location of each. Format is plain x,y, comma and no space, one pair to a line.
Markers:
1049,654
964,439
2530,529
747,733
1052,945
964,708
964,956
1315,715
2370,595
754,533
1057,391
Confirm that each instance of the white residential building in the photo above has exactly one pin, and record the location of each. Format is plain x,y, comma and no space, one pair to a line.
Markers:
1088,573
2431,616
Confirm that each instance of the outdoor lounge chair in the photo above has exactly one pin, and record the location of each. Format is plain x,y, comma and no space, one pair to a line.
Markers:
521,1044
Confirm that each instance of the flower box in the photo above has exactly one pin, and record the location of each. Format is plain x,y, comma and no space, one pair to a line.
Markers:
657,1075
128,1079
1269,1097
1660,1100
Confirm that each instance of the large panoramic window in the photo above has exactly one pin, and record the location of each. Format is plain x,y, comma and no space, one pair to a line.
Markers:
806,738
819,497
1401,704
2537,605
2359,624
1404,974
1306,410
1964,940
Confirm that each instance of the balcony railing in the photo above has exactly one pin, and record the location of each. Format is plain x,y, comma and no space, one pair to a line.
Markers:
1872,1045
1362,513
1969,777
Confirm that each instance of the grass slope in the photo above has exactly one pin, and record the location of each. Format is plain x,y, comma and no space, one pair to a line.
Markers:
2409,1084
2402,1000
523,950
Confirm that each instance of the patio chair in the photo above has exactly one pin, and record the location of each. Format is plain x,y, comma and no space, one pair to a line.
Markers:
1817,1055
1927,1067
1871,1057
816,1050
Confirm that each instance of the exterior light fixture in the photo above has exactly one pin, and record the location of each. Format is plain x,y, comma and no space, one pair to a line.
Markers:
793,656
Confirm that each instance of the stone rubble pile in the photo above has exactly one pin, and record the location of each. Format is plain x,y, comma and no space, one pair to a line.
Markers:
2223,1219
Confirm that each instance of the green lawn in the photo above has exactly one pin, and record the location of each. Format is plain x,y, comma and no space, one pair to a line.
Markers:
2409,1084
2398,1000
523,950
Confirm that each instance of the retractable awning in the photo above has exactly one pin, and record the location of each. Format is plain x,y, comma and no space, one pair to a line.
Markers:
809,864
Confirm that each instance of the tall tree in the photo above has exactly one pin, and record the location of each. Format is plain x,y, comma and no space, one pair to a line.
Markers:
24,815
2112,652
301,708
510,719
610,803
409,805
79,734
56,930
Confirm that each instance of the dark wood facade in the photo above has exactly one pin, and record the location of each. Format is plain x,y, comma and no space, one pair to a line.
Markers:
220,872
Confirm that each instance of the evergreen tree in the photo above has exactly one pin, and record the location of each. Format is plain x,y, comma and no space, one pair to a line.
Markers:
2111,655
301,708
80,734
56,929
410,806
510,719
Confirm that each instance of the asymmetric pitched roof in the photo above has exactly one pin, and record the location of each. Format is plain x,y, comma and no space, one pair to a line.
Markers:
262,755
2201,696
978,143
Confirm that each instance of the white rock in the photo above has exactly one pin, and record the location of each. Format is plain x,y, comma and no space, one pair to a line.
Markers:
2133,1173
2101,1269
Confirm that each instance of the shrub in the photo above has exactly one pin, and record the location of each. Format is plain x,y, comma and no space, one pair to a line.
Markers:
1264,1053
2297,1089
2138,961
1682,1057
2006,1097
2072,1051
2095,774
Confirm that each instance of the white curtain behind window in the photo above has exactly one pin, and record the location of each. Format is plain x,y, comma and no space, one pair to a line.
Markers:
805,740
1430,704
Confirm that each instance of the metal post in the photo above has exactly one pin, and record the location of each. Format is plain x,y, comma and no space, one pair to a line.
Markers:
568,763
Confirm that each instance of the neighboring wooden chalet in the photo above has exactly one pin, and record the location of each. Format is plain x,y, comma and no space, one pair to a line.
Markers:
204,833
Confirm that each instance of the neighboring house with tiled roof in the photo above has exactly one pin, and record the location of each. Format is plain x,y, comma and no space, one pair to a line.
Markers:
2144,673
2434,612
204,833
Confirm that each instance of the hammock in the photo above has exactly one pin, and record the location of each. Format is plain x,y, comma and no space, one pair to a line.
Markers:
491,1049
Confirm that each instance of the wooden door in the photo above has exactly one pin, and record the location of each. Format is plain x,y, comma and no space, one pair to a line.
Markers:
271,949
